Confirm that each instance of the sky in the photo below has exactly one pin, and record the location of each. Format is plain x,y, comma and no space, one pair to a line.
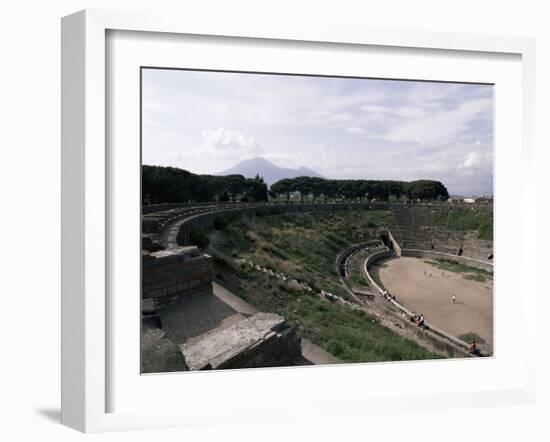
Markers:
343,128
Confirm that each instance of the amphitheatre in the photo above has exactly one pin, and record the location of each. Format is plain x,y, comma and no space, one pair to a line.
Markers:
228,284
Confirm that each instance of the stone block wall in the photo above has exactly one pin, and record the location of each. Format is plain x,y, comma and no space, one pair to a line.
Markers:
169,275
395,244
262,340
383,254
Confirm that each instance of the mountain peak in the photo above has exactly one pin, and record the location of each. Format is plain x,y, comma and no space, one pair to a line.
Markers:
270,172
258,161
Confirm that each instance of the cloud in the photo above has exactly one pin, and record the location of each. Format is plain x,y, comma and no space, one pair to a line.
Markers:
214,151
354,130
343,128
441,126
342,117
230,140
477,161
472,160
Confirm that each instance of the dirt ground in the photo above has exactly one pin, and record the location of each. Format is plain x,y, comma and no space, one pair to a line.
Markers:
432,296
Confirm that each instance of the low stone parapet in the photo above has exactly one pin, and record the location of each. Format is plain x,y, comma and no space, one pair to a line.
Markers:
205,217
262,340
454,345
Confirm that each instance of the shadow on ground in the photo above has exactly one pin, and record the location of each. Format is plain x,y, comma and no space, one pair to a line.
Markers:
51,414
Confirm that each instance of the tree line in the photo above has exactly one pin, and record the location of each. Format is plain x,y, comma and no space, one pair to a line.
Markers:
173,185
379,190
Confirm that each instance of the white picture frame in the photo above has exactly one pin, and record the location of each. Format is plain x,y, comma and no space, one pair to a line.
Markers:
86,216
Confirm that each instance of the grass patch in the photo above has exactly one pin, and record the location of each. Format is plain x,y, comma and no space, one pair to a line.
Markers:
471,337
357,277
302,246
475,277
462,219
471,273
199,237
350,335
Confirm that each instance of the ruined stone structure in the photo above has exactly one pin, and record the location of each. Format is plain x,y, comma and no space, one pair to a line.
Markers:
415,234
169,275
186,327
436,337
173,227
389,309
343,258
262,340
414,229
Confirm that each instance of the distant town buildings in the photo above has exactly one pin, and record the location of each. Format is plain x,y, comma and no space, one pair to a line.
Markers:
470,200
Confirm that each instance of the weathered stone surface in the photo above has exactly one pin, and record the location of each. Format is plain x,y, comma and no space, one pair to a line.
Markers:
193,316
178,253
150,243
262,340
158,353
170,275
147,306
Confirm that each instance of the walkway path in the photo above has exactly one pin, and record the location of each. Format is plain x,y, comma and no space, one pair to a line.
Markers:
168,236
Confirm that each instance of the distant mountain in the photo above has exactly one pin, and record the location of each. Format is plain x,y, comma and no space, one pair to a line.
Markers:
270,172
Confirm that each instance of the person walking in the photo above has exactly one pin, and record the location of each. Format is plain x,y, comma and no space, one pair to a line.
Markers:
454,299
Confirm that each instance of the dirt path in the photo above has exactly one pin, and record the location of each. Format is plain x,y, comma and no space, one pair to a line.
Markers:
432,296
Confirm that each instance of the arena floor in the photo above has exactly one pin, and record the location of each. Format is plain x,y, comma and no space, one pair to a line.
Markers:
432,296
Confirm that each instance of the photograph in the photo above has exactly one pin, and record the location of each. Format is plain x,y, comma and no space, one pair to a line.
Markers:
299,220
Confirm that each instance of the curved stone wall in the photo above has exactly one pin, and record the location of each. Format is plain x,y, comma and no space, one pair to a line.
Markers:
436,338
378,256
345,255
407,252
153,208
206,220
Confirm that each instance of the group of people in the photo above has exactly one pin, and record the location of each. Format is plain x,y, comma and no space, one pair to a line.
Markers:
418,320
472,348
388,296
429,274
